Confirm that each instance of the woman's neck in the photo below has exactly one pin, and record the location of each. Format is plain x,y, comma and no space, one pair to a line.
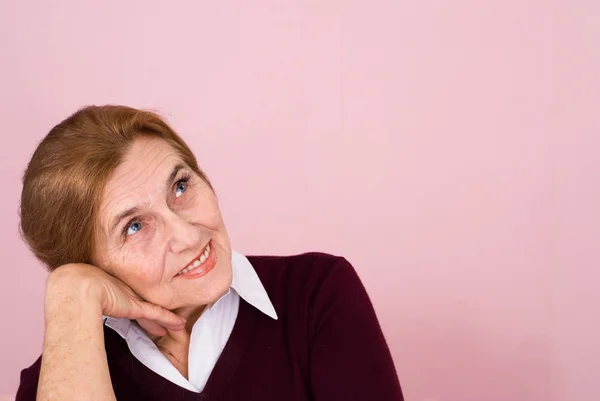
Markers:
175,345
191,315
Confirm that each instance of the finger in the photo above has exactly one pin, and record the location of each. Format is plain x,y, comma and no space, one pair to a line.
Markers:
152,327
161,316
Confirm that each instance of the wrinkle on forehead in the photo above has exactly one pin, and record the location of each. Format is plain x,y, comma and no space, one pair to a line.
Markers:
137,181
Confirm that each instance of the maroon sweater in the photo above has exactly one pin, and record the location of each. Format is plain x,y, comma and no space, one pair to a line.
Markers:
327,344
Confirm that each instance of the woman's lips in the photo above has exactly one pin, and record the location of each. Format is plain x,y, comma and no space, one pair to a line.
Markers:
195,270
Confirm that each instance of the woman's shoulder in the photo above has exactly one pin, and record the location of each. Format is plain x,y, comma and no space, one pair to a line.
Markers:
300,259
314,265
29,381
302,275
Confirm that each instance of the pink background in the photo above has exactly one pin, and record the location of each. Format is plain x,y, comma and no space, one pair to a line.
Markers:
449,149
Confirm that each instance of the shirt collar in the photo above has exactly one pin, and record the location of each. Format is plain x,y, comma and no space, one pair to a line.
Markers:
248,285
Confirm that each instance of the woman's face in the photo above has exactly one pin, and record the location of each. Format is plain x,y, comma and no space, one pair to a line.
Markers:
158,218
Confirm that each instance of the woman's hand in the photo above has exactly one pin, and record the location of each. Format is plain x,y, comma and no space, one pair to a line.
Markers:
114,298
75,364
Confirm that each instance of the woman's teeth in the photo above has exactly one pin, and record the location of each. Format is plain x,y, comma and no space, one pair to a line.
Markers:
197,262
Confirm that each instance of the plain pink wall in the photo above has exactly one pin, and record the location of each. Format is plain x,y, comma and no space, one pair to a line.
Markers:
449,149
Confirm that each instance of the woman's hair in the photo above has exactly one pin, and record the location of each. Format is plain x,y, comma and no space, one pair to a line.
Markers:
65,179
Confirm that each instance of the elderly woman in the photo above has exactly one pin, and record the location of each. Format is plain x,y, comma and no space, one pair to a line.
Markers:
146,300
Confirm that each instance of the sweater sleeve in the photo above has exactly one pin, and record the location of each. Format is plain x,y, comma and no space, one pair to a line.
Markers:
29,381
349,357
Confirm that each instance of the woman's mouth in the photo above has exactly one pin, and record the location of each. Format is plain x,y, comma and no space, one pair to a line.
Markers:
201,265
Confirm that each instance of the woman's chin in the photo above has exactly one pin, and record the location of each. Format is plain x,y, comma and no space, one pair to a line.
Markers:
203,292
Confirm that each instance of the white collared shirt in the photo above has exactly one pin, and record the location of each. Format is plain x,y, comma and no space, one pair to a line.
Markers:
209,334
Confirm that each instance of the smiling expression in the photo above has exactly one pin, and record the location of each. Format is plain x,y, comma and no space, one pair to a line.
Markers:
160,230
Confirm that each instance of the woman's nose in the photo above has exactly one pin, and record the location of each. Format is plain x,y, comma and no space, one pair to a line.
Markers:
183,235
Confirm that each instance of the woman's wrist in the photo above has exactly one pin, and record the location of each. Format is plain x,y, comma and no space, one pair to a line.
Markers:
69,288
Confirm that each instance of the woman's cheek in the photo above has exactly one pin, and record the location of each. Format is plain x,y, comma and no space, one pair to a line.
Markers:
143,269
209,213
137,248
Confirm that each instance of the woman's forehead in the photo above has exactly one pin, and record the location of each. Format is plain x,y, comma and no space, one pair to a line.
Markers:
142,175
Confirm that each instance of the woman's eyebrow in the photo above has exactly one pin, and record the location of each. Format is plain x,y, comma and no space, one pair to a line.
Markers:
121,216
176,170
129,212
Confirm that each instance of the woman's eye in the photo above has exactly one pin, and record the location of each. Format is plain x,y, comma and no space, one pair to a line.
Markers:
181,188
133,228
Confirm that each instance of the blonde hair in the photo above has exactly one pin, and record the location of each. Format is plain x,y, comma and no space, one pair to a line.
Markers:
66,175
